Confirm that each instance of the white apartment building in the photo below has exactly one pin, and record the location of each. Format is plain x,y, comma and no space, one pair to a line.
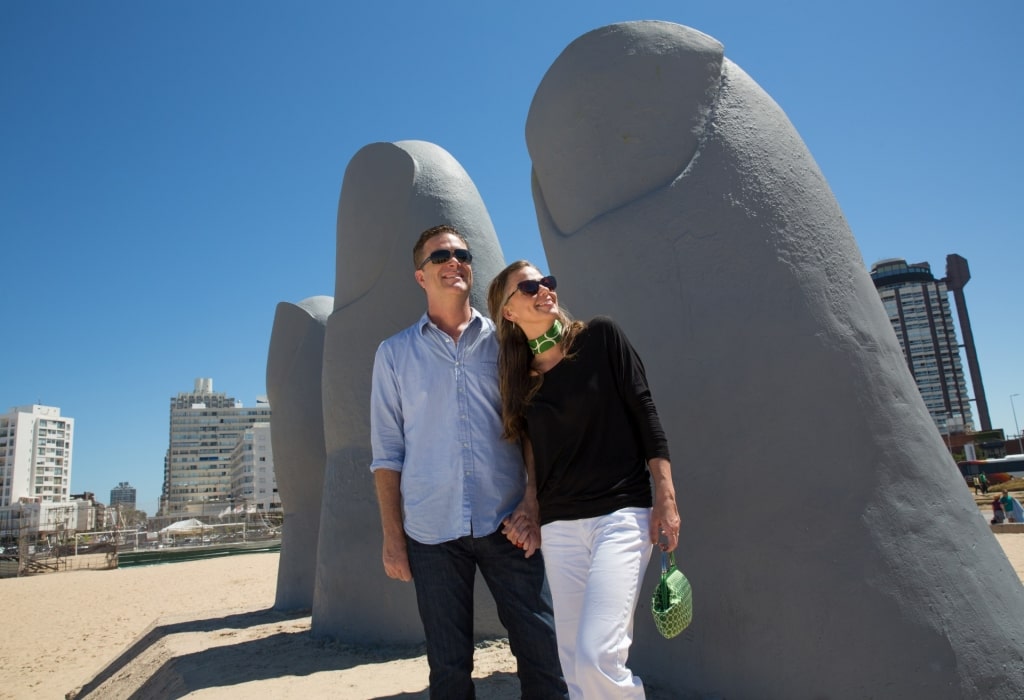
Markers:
253,484
29,516
918,308
35,454
204,428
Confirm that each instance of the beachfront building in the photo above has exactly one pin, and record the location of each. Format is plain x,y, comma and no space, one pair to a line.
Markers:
35,454
919,310
27,518
204,428
253,485
122,495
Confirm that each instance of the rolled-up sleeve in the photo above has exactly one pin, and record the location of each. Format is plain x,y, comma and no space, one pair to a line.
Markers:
387,432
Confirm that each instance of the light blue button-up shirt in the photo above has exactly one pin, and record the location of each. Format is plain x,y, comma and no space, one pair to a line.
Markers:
435,416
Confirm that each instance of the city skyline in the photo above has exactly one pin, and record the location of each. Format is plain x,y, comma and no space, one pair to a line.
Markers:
171,172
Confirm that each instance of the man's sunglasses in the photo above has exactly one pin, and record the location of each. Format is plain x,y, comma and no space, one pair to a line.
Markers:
531,287
440,257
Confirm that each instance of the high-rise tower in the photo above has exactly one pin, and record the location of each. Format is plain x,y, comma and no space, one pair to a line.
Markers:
918,307
204,429
253,483
35,454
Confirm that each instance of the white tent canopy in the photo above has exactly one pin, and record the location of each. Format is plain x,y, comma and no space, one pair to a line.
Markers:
185,527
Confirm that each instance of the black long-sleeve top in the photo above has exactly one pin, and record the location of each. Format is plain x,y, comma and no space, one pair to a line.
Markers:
594,426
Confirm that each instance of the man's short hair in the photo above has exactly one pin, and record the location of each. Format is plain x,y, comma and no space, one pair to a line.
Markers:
417,250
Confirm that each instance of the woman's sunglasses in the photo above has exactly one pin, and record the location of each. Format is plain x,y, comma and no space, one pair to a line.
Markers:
531,287
440,257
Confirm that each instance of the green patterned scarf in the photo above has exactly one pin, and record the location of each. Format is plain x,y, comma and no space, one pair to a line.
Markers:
548,340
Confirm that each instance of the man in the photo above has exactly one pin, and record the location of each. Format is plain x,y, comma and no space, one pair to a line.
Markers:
445,480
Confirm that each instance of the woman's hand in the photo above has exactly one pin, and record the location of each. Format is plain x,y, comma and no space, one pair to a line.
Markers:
665,518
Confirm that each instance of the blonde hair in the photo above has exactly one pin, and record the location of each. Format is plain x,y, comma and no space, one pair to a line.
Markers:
517,382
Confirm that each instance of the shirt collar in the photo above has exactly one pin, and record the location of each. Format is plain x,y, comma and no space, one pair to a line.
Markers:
476,320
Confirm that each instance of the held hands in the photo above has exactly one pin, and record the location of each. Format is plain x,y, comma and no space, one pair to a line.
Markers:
522,527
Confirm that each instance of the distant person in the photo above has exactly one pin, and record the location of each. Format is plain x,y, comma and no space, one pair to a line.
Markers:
575,395
1012,508
445,480
998,516
983,482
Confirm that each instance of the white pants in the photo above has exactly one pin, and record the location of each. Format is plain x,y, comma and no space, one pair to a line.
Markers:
594,568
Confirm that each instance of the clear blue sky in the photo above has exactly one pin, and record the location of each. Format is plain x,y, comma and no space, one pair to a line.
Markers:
169,171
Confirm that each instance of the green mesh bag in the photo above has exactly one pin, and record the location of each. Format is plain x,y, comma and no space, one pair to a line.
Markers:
672,602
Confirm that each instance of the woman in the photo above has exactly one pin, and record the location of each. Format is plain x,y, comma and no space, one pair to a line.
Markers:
575,395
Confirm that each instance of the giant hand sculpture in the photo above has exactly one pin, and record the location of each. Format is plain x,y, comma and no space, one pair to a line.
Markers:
390,194
297,437
833,549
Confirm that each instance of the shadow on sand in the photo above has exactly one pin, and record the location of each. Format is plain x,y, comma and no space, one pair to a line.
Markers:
148,669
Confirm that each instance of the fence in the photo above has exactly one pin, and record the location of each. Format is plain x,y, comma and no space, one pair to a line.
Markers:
26,551
32,562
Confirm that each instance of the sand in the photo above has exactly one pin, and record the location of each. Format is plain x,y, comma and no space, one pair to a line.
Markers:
200,629
204,629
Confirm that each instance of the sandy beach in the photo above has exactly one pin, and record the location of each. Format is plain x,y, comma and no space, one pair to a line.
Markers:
204,629
199,629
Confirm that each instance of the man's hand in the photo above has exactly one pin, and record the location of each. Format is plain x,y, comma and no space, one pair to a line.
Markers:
396,550
396,558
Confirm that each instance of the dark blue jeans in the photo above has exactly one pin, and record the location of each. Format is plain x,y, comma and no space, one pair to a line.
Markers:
443,575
